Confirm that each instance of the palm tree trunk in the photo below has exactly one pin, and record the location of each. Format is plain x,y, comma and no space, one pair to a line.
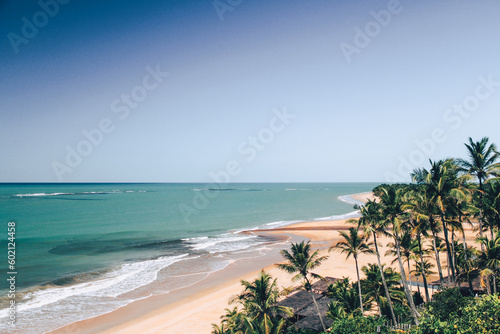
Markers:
405,284
494,284
488,285
448,268
359,286
448,247
438,261
481,225
471,288
465,244
387,294
426,288
315,303
453,256
491,230
481,210
409,274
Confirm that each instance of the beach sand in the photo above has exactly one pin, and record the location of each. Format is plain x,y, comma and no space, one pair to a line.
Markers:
194,309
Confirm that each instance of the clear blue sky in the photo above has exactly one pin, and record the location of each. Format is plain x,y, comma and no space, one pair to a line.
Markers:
354,104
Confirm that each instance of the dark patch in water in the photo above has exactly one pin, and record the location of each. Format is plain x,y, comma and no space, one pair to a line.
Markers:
228,189
107,246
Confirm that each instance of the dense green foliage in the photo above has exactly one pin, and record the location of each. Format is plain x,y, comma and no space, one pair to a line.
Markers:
359,324
259,312
295,330
452,313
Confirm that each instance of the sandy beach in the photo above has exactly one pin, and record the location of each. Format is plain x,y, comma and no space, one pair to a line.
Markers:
194,309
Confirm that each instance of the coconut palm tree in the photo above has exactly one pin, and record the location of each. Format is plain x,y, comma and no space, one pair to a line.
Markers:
345,293
372,223
374,288
254,326
302,261
490,257
354,245
420,207
407,248
467,265
259,299
423,269
491,204
391,200
447,189
424,215
220,329
336,310
482,165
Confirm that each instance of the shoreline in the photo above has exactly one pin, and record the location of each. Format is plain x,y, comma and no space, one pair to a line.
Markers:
193,309
207,299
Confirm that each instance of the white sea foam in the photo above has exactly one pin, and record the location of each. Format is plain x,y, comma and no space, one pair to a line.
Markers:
128,277
228,242
116,191
195,238
349,199
39,194
282,223
353,214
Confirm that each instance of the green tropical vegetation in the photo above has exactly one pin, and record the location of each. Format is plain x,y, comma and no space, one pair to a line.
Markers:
427,222
354,245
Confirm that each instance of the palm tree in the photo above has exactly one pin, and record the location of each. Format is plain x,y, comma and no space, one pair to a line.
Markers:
301,261
491,204
354,245
407,248
254,326
446,189
259,299
222,329
336,310
424,269
490,257
426,214
391,200
232,322
374,288
420,207
372,223
482,165
345,293
467,264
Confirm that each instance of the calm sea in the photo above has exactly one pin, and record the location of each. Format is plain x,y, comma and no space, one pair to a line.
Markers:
86,249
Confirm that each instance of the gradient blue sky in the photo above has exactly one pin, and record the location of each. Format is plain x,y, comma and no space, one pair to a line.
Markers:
354,121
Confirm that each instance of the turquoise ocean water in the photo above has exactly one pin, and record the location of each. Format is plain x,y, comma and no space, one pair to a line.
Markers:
87,249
